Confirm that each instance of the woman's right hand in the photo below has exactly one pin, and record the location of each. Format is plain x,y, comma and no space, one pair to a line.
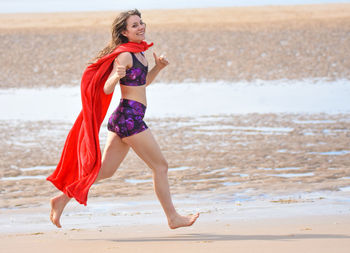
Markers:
120,72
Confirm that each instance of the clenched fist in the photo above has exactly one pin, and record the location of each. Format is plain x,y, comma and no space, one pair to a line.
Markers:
120,71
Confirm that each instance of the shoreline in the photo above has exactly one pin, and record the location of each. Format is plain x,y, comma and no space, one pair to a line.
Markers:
242,226
123,211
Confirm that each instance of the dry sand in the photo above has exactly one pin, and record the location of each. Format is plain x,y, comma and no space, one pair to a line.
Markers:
306,234
310,41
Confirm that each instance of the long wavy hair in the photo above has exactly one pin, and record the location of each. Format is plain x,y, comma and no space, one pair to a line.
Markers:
118,26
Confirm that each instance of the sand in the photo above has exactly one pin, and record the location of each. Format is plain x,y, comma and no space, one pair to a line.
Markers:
230,44
265,235
248,155
253,151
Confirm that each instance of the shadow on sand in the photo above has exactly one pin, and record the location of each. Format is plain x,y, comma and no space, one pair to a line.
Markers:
217,237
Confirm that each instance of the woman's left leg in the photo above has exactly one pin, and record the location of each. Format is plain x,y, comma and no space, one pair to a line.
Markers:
146,147
114,153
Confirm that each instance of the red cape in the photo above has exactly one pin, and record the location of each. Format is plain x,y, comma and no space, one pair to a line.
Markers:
80,161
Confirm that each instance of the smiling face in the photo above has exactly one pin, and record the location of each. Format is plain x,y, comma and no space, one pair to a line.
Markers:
135,29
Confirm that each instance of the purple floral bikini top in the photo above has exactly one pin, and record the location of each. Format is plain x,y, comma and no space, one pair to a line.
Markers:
136,75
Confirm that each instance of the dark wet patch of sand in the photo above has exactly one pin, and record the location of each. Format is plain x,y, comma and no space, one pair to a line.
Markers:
259,153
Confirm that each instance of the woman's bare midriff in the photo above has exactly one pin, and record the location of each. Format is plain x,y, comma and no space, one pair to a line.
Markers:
136,93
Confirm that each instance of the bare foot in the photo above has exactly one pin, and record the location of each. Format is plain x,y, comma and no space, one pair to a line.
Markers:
182,221
57,205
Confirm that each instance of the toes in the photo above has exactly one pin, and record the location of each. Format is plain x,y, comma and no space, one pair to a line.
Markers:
57,223
194,217
54,219
184,221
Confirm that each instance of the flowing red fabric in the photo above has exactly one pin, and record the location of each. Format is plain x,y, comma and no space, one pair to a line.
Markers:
80,161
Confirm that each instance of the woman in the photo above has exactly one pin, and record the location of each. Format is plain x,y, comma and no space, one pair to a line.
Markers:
126,126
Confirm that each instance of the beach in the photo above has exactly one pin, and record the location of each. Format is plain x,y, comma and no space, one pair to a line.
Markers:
252,115
232,44
271,235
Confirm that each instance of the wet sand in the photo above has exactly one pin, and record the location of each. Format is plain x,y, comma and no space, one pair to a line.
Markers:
273,154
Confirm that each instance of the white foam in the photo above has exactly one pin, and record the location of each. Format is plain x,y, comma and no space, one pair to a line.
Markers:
189,100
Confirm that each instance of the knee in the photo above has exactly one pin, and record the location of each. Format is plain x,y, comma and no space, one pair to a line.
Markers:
162,168
104,173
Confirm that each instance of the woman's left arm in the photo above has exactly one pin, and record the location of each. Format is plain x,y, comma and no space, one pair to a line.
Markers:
161,62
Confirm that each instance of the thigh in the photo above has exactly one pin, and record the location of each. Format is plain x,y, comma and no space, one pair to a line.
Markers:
114,153
147,148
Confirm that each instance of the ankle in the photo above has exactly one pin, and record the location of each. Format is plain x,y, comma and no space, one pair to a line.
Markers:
173,216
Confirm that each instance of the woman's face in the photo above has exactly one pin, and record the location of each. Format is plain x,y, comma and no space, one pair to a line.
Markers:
135,29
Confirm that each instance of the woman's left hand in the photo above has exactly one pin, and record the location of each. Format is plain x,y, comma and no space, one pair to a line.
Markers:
161,62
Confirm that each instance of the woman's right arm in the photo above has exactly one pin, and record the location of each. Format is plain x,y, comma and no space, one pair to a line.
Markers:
120,64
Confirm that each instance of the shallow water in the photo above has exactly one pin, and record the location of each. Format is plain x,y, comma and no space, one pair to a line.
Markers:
179,168
340,152
109,212
289,175
224,161
345,189
40,168
197,99
22,178
138,181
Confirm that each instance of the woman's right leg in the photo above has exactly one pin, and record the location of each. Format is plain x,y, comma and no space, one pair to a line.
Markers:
114,153
147,148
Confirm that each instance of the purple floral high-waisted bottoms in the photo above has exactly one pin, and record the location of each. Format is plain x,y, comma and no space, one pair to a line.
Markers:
127,119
